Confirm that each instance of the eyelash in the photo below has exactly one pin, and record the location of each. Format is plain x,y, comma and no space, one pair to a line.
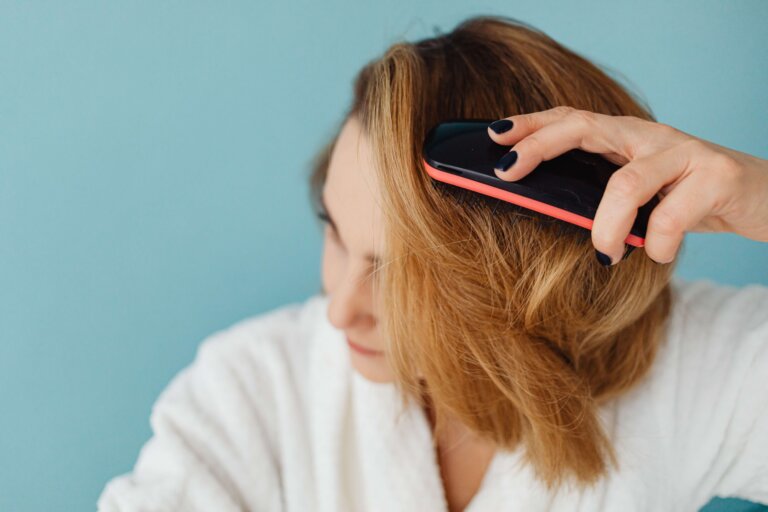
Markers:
327,220
324,217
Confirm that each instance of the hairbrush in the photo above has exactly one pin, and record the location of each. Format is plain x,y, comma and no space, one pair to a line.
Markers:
459,156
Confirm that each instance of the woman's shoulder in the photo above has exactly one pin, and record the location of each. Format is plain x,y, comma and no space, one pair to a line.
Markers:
710,388
724,314
704,293
223,426
714,353
282,336
697,419
271,358
287,321
715,332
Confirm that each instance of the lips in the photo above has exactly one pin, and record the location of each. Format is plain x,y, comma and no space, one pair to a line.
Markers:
362,350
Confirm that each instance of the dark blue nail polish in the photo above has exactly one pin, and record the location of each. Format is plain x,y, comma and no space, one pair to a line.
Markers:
501,126
604,259
506,161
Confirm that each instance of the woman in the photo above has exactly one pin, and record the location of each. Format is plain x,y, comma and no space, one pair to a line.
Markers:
459,359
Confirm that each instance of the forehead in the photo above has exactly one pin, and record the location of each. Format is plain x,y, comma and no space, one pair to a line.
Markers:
351,192
350,184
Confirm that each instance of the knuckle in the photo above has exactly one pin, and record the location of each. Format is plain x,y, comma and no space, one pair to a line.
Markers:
563,110
626,181
532,120
583,119
585,115
531,145
727,167
667,131
695,147
664,135
582,123
665,222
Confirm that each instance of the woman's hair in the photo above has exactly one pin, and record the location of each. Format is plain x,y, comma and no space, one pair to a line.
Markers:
506,321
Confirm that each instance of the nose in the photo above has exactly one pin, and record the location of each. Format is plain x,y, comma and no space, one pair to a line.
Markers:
350,302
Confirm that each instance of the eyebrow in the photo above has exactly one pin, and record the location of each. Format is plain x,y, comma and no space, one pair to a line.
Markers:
370,257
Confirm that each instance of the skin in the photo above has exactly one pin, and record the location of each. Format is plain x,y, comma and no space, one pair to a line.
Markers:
350,197
704,187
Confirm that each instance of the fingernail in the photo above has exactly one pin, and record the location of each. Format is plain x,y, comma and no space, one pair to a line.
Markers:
501,126
506,161
604,259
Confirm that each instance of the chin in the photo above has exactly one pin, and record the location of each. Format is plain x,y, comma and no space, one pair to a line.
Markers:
374,371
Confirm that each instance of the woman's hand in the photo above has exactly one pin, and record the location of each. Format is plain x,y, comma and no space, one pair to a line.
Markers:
703,187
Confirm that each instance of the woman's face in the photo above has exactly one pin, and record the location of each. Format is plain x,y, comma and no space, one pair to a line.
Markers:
352,250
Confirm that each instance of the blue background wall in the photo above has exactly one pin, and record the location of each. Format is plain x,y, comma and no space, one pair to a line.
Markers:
153,158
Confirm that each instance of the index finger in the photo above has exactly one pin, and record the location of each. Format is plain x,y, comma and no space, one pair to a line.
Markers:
508,130
613,137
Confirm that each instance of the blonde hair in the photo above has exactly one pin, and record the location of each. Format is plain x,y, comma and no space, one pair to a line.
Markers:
507,322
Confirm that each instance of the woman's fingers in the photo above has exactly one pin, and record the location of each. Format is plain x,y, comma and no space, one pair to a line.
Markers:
703,186
511,129
628,189
555,137
544,135
680,210
694,187
649,150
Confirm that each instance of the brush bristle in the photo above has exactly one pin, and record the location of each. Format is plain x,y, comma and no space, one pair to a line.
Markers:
475,199
497,206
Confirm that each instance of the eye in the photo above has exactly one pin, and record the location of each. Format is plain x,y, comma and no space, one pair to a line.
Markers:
327,221
323,217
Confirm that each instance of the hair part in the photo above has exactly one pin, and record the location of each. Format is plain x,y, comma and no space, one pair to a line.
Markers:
506,323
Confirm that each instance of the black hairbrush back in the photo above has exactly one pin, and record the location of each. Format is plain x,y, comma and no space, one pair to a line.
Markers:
460,157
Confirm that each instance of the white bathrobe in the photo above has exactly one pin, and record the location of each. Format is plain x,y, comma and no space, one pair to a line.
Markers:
271,416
